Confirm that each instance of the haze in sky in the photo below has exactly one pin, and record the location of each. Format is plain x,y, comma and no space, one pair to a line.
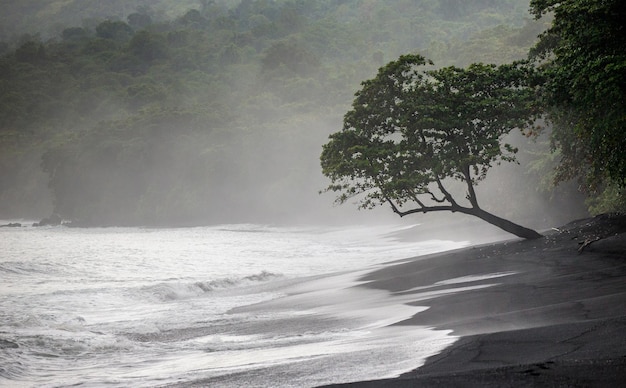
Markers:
205,112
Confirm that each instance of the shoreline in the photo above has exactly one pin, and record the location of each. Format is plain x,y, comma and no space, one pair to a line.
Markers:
548,312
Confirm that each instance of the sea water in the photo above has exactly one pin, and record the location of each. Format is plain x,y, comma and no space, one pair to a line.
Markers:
223,306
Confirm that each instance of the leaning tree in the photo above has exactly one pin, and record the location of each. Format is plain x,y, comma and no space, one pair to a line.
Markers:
414,131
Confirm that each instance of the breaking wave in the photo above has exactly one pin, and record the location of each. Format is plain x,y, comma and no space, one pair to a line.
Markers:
167,291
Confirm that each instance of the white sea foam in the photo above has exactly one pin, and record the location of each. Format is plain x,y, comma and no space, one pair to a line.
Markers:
180,290
232,304
475,278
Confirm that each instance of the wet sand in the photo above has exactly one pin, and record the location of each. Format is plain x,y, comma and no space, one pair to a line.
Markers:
547,312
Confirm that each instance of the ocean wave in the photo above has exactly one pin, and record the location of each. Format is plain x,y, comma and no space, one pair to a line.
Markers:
184,290
26,268
246,228
37,353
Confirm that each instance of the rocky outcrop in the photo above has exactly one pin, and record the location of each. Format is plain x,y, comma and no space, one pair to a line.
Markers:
11,225
53,220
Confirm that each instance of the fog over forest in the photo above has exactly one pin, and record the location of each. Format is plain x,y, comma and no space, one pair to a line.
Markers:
167,113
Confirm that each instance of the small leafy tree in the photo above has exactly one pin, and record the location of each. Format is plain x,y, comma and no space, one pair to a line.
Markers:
413,131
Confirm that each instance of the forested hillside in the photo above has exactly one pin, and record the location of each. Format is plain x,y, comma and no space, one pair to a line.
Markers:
195,112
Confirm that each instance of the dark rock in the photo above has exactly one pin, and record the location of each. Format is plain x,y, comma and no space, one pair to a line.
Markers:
53,220
11,225
614,244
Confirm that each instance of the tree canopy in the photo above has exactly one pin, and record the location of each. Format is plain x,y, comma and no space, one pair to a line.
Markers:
583,60
413,130
124,112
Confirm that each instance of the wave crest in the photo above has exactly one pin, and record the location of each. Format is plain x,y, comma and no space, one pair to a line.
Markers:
181,290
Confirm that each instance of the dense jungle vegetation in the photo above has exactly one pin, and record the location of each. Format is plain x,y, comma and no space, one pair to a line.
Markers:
198,112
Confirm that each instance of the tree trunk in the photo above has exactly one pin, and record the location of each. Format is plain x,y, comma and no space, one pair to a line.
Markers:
503,224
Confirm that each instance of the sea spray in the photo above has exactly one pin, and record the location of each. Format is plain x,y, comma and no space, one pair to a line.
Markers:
146,307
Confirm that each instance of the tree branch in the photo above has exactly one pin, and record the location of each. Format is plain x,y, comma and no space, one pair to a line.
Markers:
445,192
434,198
471,194
416,199
428,209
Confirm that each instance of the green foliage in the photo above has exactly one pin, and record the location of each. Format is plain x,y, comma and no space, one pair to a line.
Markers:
240,86
30,52
411,131
289,57
607,199
410,128
584,64
499,45
114,30
139,20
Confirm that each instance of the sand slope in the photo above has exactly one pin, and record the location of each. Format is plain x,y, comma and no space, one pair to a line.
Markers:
548,312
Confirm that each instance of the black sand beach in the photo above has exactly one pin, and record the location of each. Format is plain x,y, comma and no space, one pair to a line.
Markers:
554,315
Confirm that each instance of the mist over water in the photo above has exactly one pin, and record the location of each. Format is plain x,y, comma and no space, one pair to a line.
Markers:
238,305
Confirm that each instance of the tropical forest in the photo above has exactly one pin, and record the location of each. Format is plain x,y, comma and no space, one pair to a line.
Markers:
197,112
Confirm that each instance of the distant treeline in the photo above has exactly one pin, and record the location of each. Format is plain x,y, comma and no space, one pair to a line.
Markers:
149,113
